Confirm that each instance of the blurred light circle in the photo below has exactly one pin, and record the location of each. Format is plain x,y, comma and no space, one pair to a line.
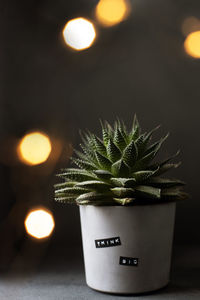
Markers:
192,44
112,12
34,148
39,223
79,33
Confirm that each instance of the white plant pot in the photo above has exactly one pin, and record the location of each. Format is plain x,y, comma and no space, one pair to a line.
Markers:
138,258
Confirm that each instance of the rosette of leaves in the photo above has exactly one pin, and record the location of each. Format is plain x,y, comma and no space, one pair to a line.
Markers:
118,170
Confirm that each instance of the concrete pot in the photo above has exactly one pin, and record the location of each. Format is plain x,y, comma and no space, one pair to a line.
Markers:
127,250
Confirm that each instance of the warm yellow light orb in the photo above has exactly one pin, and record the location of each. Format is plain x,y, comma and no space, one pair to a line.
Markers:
112,12
192,44
39,223
79,33
34,148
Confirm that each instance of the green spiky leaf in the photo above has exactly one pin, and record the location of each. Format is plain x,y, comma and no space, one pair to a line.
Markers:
93,185
102,174
84,164
119,168
103,162
76,175
99,146
70,191
113,151
130,154
119,140
144,191
141,176
164,182
66,199
93,196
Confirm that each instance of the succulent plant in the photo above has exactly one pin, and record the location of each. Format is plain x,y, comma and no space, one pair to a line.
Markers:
118,170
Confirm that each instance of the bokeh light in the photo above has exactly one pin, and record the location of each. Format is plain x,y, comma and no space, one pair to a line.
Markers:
34,148
112,12
39,223
192,44
79,33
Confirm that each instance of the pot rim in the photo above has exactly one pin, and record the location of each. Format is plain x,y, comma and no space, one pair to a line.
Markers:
130,206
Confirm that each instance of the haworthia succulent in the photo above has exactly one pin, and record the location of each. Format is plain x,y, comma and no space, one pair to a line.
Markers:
117,169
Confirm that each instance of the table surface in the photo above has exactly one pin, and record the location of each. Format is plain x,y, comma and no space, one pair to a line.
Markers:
60,276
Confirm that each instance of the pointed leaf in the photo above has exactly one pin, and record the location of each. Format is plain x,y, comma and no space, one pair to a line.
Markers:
165,162
90,154
170,192
94,185
166,168
119,168
102,174
64,184
144,161
135,131
157,145
83,164
139,143
147,192
77,175
71,191
93,196
119,140
143,175
103,162
66,199
145,140
113,151
99,146
164,182
105,134
130,154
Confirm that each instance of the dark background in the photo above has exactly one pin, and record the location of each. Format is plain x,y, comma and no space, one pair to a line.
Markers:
138,67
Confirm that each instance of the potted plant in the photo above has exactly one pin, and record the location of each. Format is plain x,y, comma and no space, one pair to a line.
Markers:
127,208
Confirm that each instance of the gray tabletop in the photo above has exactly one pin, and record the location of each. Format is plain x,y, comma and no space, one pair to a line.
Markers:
61,276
